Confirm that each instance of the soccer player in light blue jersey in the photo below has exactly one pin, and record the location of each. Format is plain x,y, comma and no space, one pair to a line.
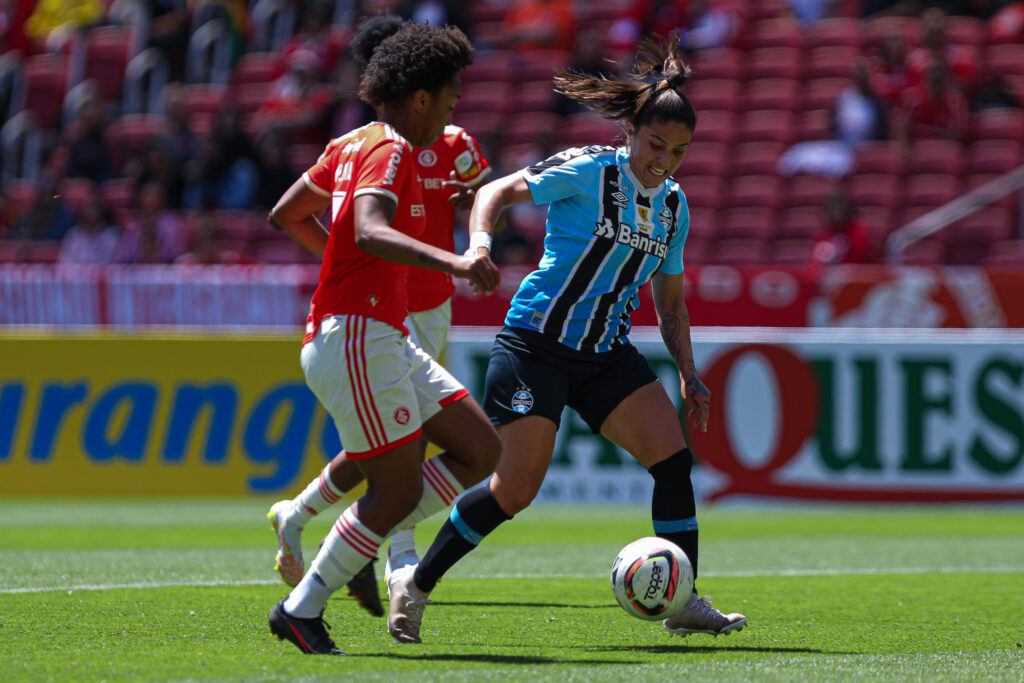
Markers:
616,220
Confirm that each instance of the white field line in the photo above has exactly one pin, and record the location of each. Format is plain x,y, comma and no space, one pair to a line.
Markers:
711,575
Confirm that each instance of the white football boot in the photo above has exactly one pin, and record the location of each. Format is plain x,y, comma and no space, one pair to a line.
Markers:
405,613
698,616
288,562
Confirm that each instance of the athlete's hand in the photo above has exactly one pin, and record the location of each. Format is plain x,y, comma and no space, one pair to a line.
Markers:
480,270
697,399
464,195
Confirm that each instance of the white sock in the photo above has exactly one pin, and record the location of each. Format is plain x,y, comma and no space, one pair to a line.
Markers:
319,494
402,542
440,488
346,550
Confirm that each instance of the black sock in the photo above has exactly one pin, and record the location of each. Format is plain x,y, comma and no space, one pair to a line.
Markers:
673,508
475,515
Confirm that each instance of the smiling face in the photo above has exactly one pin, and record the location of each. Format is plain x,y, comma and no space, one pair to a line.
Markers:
656,149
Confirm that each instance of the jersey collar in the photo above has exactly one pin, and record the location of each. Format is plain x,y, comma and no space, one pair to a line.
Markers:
622,157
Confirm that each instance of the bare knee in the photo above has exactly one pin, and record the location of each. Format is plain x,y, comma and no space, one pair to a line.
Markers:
513,497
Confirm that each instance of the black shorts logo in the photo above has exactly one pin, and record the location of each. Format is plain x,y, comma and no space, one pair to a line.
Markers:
522,401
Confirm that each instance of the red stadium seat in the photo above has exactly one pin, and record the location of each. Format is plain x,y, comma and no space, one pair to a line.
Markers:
907,28
764,10
718,63
791,252
493,96
44,83
77,191
486,10
534,97
106,56
533,127
777,32
756,191
715,125
256,67
769,125
994,156
720,93
696,251
738,252
831,61
990,224
1004,60
879,156
976,180
747,222
40,251
703,223
998,123
705,158
876,189
813,124
801,222
806,191
118,193
931,189
704,191
1009,253
580,130
751,158
821,93
772,93
879,220
935,156
775,62
965,30
927,252
493,65
539,65
21,194
836,32
128,133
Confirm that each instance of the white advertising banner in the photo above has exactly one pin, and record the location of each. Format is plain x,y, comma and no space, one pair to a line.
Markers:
818,415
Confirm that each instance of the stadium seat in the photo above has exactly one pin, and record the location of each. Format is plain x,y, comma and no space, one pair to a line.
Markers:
836,32
769,125
281,252
76,192
716,125
765,10
272,23
931,189
43,84
127,134
772,93
494,65
831,61
994,156
1003,60
256,67
718,93
706,158
965,30
790,252
10,250
704,191
806,191
775,32
202,103
756,191
302,156
998,123
876,189
738,252
775,62
976,180
907,28
813,124
800,222
703,223
718,63
530,127
746,222
935,156
493,96
752,158
480,124
20,194
40,251
990,224
534,97
145,77
118,193
696,251
1009,253
927,252
105,58
579,130
879,156
879,221
539,65
821,93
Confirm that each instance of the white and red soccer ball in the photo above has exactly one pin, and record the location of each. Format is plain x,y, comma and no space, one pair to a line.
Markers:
652,578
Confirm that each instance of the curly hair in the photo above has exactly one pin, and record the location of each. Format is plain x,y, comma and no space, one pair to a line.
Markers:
653,91
372,32
417,56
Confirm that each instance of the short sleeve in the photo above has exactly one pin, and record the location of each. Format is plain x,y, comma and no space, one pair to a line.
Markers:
470,165
385,169
560,176
673,263
320,176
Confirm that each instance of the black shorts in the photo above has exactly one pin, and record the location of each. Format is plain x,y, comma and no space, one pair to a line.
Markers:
530,374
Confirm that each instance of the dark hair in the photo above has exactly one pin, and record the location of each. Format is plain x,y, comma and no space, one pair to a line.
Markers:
417,56
372,32
653,91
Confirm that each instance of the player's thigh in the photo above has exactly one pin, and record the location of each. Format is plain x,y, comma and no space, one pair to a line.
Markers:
460,426
429,329
646,425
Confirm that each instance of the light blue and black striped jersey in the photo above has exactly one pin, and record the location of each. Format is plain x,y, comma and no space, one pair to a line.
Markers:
606,236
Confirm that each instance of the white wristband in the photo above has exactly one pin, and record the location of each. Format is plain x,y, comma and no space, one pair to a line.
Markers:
478,239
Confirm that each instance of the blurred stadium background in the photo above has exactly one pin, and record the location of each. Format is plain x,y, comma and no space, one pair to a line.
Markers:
854,183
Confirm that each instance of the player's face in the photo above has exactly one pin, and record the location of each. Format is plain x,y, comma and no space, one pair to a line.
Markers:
656,149
438,113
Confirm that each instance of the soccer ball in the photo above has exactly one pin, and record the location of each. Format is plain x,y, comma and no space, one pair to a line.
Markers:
652,578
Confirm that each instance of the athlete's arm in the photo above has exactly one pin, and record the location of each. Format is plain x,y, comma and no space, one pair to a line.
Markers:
491,200
674,322
296,213
374,234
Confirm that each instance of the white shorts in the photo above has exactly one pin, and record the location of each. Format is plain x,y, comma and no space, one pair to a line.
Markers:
377,385
429,329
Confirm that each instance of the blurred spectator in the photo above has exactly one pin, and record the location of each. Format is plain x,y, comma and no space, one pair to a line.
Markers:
155,234
94,238
888,68
154,164
181,142
48,216
276,173
540,25
810,11
228,172
438,13
845,238
297,105
168,31
90,154
961,61
859,114
1006,24
313,36
712,23
7,216
13,14
646,17
206,248
55,22
934,109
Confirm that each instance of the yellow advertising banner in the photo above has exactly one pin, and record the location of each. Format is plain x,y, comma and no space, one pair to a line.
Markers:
150,414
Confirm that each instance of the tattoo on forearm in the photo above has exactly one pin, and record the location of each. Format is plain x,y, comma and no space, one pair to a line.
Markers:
670,327
428,259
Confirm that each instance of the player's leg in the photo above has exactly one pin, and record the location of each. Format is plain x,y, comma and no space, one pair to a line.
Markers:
646,424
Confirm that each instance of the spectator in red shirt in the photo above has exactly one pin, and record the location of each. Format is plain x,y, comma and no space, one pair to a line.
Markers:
961,61
888,68
540,25
845,237
936,109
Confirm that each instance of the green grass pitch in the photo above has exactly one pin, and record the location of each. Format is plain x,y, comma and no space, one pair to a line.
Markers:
180,590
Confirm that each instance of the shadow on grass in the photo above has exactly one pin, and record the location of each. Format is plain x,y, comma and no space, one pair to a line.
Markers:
512,603
674,649
490,659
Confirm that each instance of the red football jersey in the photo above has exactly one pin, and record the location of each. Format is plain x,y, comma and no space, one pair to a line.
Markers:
373,159
454,150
